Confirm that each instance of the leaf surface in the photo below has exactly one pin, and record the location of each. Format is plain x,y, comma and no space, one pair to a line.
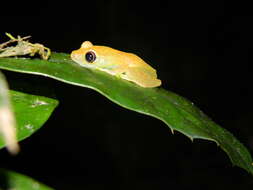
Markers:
12,180
31,112
177,112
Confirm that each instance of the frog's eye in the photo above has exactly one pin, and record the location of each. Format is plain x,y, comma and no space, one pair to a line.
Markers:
90,56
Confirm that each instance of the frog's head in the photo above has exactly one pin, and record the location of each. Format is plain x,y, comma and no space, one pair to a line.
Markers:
86,55
93,56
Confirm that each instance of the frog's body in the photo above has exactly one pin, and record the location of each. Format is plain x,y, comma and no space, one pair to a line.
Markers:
125,65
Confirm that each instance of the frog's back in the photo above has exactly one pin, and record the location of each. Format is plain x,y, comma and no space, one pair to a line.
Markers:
137,70
120,57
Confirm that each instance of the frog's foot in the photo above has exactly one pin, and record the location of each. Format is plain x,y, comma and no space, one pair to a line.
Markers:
118,75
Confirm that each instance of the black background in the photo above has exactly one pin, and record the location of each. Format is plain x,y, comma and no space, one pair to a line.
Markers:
202,51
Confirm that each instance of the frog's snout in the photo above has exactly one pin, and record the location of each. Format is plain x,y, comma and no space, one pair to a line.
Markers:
74,55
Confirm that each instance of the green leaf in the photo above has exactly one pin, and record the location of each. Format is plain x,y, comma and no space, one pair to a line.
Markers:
12,180
31,113
177,112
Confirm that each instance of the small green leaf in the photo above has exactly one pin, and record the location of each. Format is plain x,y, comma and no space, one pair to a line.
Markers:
12,180
31,113
177,112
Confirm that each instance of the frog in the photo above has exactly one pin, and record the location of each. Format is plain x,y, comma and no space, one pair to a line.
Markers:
127,66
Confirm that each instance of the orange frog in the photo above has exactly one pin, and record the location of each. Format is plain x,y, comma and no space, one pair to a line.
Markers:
127,66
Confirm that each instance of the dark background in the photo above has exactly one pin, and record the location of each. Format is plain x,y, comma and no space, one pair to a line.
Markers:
202,51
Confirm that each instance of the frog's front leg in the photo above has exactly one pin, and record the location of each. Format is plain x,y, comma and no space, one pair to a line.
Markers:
116,70
120,71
